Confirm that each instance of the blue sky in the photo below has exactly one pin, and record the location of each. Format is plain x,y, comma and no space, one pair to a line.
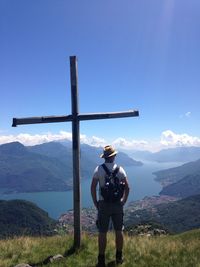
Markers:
131,55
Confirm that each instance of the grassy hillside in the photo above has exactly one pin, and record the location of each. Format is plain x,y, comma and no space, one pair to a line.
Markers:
26,171
173,175
141,251
20,217
188,186
178,216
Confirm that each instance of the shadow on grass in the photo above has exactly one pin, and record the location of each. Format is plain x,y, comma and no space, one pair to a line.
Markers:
71,251
111,264
46,261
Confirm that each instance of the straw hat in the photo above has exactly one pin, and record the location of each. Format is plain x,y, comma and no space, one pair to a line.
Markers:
108,152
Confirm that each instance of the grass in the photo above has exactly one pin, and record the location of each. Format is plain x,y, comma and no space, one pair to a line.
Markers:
141,251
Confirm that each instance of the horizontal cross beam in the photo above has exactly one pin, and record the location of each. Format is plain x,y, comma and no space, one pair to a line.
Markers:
80,117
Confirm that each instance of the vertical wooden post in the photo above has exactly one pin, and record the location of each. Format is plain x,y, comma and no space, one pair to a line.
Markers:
76,152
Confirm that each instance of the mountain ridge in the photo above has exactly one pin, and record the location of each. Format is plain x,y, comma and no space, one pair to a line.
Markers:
178,154
21,217
185,187
46,167
176,216
173,175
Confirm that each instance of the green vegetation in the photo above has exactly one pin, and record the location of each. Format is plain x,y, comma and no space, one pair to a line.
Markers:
140,251
173,175
20,217
177,216
26,171
187,186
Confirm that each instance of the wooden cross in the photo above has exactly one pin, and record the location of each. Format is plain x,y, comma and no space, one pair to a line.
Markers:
75,118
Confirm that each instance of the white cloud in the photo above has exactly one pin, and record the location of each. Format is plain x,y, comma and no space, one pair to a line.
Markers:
96,141
130,144
28,139
93,141
171,139
168,139
188,114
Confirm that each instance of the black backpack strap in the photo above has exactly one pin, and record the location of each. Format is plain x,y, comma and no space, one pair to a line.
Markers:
106,169
114,173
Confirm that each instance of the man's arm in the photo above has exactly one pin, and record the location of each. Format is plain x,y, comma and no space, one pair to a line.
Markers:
126,191
94,192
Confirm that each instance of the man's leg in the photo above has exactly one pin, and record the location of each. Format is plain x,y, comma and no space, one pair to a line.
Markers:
102,240
103,222
119,240
117,218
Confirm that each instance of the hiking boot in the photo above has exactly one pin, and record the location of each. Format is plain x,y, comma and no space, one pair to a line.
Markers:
101,261
119,257
119,260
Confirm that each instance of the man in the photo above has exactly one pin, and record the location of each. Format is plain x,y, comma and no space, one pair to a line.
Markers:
108,209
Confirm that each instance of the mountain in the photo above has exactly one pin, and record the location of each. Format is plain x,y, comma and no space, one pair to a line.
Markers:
25,171
47,167
14,148
93,154
177,216
57,152
63,153
89,156
20,217
178,154
187,186
173,175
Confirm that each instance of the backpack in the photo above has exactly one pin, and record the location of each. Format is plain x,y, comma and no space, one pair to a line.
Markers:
113,189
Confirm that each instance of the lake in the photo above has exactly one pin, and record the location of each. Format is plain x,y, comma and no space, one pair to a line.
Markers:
141,181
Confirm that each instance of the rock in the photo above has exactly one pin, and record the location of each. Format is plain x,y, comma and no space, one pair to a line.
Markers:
159,232
50,259
56,258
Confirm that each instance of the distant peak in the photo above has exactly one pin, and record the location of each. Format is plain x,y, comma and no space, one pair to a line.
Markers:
16,143
12,148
